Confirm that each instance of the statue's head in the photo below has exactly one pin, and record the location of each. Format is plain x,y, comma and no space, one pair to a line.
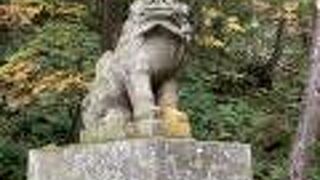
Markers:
168,14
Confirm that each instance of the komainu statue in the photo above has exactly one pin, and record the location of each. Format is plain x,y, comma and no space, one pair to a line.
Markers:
135,89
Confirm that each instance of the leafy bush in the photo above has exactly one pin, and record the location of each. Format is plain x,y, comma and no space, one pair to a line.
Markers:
42,84
13,158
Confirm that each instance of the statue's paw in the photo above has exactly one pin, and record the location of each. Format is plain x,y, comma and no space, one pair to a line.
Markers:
176,123
145,129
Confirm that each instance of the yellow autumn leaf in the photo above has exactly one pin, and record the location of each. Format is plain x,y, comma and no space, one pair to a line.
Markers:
232,19
17,71
73,81
235,27
207,22
210,41
39,88
210,12
261,5
20,76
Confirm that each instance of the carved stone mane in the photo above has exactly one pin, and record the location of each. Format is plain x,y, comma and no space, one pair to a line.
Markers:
135,86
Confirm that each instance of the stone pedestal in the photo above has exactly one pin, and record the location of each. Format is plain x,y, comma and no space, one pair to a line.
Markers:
143,159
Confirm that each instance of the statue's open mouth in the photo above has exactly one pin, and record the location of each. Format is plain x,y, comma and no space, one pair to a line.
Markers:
161,16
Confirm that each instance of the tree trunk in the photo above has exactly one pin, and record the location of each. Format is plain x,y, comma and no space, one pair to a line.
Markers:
308,129
111,23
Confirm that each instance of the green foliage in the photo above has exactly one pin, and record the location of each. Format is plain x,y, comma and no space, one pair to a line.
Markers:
35,126
13,158
314,173
224,96
61,46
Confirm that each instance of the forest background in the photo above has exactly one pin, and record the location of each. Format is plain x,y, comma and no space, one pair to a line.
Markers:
244,82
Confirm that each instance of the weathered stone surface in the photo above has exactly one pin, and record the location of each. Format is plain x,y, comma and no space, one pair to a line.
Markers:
138,77
143,159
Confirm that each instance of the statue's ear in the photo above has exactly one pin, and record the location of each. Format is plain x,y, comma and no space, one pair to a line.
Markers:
136,7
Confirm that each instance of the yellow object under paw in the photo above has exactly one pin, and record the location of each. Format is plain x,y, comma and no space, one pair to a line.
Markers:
176,123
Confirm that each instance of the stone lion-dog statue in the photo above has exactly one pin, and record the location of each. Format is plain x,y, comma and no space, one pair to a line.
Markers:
135,89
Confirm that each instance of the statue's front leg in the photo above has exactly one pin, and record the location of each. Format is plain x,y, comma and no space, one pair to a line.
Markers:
145,123
167,95
141,97
175,122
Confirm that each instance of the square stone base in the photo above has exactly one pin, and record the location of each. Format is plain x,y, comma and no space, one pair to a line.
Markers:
143,159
